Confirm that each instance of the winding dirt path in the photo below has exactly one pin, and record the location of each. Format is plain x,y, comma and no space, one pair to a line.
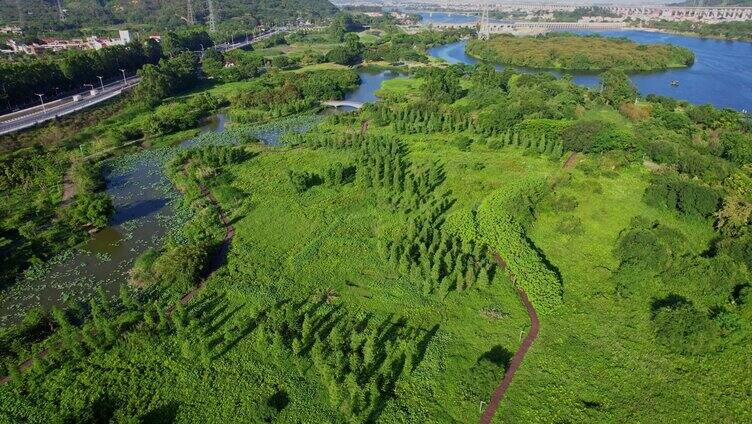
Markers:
501,389
571,161
217,260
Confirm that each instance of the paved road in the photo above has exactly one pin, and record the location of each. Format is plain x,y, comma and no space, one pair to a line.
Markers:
29,117
26,118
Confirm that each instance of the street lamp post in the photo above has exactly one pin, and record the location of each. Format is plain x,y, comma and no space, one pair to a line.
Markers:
101,83
41,99
125,81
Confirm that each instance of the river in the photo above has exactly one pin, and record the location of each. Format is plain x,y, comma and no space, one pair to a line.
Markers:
146,210
721,74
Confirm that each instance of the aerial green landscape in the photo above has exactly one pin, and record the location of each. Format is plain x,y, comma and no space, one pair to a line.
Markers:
334,224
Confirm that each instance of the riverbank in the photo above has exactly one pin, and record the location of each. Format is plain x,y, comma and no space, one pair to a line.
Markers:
718,76
747,37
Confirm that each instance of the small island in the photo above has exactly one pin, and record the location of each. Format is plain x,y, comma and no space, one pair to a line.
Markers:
584,53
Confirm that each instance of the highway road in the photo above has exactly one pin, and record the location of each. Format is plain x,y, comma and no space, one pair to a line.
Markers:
26,118
32,116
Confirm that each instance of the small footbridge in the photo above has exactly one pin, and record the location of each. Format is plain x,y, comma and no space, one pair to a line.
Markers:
343,103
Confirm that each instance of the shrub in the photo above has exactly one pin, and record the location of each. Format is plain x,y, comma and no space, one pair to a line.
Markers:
648,246
181,116
501,222
141,272
91,209
338,174
595,136
180,268
87,177
463,142
686,197
682,328
564,203
302,180
704,166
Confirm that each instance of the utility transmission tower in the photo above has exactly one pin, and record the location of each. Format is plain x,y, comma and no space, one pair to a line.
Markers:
190,16
484,30
60,9
212,16
20,13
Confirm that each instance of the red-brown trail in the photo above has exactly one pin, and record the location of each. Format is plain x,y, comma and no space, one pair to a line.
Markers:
498,394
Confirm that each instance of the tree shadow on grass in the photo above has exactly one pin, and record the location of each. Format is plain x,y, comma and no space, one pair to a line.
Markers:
162,415
423,346
241,333
672,301
498,355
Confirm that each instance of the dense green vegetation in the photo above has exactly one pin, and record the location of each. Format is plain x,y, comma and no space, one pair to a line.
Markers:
730,30
567,51
25,77
361,283
42,15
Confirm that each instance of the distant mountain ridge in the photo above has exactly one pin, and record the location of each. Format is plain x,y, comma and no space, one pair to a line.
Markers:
44,14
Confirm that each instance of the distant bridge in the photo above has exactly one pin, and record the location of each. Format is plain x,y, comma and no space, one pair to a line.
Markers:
343,103
653,12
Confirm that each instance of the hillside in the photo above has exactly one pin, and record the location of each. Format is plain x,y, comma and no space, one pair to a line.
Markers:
43,14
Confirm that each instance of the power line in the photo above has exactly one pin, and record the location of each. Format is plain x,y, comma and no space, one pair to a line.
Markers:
191,17
212,16
484,32
60,9
20,13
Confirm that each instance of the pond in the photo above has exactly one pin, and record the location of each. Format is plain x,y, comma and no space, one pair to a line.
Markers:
146,210
370,82
144,201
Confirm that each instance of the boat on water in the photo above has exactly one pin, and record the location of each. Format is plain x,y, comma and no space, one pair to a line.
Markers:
674,83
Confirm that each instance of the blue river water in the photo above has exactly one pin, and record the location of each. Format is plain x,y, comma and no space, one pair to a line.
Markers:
721,74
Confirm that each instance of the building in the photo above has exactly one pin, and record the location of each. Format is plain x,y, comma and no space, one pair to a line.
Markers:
10,30
57,45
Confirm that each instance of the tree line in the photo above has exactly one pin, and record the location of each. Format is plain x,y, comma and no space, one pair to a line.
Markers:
23,79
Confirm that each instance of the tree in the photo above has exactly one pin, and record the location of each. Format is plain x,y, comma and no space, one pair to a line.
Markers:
169,77
181,267
174,43
213,63
682,328
154,86
617,88
443,86
341,25
346,54
92,209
